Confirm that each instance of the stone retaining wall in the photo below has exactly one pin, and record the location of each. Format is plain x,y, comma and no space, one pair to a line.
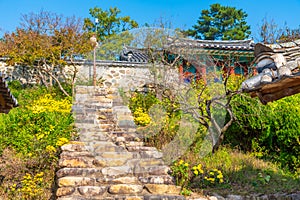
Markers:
117,74
129,76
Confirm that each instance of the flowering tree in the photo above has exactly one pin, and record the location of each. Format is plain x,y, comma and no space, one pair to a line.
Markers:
46,43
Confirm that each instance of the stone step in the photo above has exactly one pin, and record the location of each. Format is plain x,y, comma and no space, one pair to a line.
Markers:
120,180
91,137
122,136
140,148
121,141
79,126
105,146
74,146
78,161
106,126
105,111
105,121
118,171
160,179
85,172
163,197
110,162
102,99
123,133
126,197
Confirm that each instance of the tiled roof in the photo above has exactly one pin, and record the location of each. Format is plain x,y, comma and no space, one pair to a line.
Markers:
7,100
281,85
246,45
184,45
290,50
133,55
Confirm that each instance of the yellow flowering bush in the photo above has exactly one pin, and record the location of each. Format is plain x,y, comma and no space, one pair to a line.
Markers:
180,170
51,150
61,141
214,177
48,104
197,170
198,175
141,118
31,186
33,132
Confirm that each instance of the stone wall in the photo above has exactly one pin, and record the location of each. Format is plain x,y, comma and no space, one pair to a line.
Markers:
127,75
117,74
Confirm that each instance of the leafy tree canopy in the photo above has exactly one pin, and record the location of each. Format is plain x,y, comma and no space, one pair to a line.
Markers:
45,41
109,22
221,23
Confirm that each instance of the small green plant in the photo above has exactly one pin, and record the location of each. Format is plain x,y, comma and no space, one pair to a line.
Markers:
205,177
213,177
180,170
263,178
186,176
186,192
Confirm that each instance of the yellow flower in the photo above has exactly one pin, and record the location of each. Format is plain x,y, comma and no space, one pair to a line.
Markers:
50,149
141,118
196,172
39,174
186,164
212,180
48,104
62,141
51,128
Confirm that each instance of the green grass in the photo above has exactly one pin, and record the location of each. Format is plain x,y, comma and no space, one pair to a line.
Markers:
244,174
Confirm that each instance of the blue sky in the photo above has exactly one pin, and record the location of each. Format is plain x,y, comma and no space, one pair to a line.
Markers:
181,13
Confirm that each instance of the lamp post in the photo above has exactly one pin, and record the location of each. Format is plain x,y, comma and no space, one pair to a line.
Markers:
94,42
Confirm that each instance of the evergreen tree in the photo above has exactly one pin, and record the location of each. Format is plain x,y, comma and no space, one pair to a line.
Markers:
221,23
109,22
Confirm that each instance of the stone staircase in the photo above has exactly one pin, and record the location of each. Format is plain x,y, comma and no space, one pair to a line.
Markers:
110,160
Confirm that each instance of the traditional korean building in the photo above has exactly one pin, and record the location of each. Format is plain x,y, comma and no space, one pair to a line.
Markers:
200,57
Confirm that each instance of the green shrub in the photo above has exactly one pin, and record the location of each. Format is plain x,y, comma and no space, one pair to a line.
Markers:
30,136
30,128
269,131
159,128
